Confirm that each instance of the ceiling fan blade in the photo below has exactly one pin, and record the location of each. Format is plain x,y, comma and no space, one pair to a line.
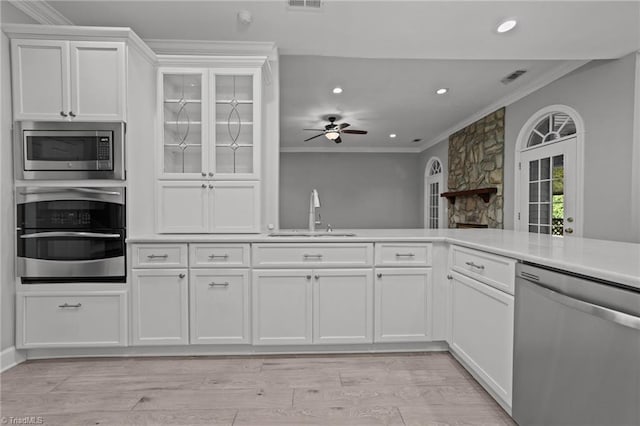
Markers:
338,140
313,137
315,130
355,132
344,125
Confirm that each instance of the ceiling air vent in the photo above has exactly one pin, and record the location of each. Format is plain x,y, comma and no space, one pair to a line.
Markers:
304,4
511,77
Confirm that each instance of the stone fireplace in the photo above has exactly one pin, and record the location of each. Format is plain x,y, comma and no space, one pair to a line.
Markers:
476,161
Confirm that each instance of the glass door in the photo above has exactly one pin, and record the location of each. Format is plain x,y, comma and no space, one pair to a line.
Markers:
548,178
184,126
236,118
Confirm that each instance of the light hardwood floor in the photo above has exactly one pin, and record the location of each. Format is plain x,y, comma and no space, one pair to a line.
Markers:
412,389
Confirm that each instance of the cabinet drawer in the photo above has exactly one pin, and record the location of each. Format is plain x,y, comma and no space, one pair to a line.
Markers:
159,255
496,271
219,255
403,254
313,255
64,319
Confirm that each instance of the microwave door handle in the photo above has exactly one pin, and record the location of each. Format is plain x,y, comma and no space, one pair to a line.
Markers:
69,234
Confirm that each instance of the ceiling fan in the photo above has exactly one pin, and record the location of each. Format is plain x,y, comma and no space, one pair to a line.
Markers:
332,130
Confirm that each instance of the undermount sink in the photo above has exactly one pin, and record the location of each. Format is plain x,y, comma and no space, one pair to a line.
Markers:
312,234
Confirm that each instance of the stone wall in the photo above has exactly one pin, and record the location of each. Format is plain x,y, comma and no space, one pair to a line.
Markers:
476,160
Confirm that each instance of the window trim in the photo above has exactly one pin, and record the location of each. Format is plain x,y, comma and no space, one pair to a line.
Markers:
521,146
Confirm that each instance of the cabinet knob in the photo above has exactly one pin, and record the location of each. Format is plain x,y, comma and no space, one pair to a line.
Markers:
181,275
317,276
210,173
379,275
64,114
308,277
204,185
210,186
568,231
71,114
449,276
204,174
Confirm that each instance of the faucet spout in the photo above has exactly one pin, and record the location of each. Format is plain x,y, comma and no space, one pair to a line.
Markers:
314,206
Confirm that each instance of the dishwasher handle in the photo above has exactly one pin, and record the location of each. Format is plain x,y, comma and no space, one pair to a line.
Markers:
621,318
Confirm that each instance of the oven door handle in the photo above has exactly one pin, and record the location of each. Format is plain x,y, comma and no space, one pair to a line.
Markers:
83,190
69,234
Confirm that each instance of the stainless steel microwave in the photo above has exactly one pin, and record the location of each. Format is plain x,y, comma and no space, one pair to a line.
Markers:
49,150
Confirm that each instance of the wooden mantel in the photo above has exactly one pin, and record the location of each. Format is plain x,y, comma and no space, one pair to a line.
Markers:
484,193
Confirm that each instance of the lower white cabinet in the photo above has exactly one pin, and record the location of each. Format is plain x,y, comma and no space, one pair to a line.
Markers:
282,307
403,298
208,207
71,319
342,306
219,306
482,332
160,307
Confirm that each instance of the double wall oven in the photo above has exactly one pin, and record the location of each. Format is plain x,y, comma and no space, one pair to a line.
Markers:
71,234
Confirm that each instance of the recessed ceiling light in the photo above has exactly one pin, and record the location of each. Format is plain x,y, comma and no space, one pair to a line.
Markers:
442,91
337,90
392,135
507,25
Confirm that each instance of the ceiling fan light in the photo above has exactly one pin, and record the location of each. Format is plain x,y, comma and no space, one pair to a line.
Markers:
332,135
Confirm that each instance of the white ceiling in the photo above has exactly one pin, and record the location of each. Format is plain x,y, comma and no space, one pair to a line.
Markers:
389,56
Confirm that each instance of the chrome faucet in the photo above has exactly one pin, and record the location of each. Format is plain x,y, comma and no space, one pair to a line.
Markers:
314,204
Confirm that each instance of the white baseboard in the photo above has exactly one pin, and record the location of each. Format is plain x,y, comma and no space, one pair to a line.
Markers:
11,357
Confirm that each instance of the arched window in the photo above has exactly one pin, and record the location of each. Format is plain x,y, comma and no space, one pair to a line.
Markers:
433,186
549,173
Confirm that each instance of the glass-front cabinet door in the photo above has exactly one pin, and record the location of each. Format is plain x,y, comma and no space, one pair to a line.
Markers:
235,123
210,123
184,114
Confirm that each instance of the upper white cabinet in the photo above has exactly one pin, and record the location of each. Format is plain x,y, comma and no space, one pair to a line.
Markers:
58,80
210,119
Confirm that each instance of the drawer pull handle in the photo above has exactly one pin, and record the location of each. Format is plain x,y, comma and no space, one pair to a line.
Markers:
158,256
181,275
405,255
66,305
473,265
218,256
214,284
315,256
449,276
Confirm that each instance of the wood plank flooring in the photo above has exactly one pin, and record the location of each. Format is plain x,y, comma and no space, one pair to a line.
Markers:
393,389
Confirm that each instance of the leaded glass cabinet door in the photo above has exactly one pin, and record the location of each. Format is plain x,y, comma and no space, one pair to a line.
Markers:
236,95
184,115
548,204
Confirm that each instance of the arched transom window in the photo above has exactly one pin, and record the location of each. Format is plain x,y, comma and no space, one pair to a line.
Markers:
551,127
433,187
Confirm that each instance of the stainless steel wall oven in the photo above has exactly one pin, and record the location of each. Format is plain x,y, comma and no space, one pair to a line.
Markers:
48,150
68,234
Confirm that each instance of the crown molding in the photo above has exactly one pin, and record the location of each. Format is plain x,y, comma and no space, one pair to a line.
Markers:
41,11
536,84
72,32
217,48
348,149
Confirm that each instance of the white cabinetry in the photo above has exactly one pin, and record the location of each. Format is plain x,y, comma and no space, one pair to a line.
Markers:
403,304
403,292
208,207
219,306
211,138
482,317
282,307
56,80
48,319
160,306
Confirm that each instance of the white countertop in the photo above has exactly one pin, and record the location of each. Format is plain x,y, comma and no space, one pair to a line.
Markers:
608,260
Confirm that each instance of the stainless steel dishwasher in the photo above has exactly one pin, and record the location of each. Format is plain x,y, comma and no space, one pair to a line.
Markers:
576,350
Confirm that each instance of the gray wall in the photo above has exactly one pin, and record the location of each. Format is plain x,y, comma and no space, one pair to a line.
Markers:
8,13
602,92
356,190
440,150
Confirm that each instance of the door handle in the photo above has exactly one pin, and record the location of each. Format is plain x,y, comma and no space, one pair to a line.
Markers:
69,234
